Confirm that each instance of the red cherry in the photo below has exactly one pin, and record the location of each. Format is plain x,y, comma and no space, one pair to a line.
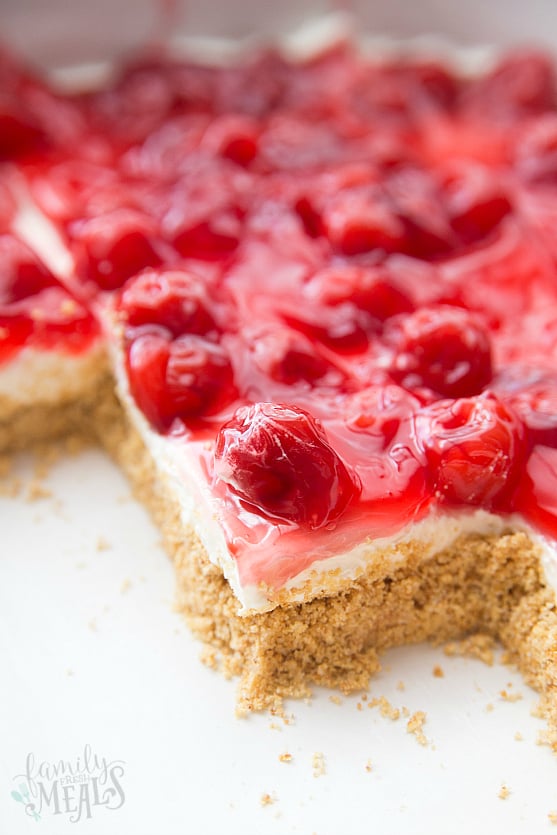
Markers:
382,412
114,246
176,299
234,137
522,84
360,219
19,133
22,274
288,357
371,290
443,348
535,153
533,396
8,207
199,377
188,378
474,447
536,497
277,460
476,203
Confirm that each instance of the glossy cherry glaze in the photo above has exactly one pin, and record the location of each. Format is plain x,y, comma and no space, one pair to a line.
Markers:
339,277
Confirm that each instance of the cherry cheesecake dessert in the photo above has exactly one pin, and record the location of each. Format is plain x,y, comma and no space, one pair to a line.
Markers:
310,306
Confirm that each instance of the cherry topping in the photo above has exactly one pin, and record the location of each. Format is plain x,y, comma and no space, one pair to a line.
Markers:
188,378
474,447
114,246
522,84
22,274
369,289
35,306
7,207
360,220
19,133
277,460
475,201
533,396
536,497
443,348
289,357
176,299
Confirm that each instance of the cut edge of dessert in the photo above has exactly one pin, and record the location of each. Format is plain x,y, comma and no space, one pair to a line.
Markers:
345,456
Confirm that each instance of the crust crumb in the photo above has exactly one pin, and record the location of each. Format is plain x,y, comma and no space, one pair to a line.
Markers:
478,646
504,792
267,799
552,818
415,726
285,758
126,585
489,707
401,686
518,736
385,707
368,766
318,764
510,697
36,490
438,671
103,544
336,700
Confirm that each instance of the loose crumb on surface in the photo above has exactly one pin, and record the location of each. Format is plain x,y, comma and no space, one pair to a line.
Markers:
518,736
267,799
401,686
510,697
552,817
438,672
36,490
504,792
415,726
285,758
385,707
489,707
318,763
478,646
126,585
103,544
368,766
92,625
336,700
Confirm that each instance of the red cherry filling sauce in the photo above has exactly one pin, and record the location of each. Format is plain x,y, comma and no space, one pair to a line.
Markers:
371,246
35,309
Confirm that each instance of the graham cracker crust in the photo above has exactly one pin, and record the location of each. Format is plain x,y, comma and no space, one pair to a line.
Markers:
490,586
